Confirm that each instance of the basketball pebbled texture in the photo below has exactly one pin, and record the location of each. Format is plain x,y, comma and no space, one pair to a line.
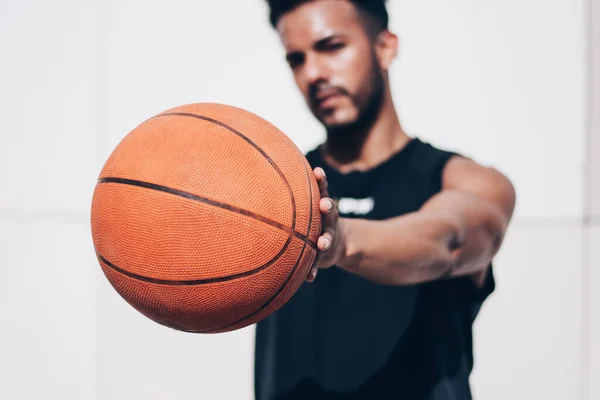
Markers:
205,218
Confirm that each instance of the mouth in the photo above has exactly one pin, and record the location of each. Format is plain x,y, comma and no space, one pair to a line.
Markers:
327,100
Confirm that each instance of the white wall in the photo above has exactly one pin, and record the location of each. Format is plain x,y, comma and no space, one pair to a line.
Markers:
591,334
48,164
505,84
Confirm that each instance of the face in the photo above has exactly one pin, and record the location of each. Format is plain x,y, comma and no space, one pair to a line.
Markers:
333,59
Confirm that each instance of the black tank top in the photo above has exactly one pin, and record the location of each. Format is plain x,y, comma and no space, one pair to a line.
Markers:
345,337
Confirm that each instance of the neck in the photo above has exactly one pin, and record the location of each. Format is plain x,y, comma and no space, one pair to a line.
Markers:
362,150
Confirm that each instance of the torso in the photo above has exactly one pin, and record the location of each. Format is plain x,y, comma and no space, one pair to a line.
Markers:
343,336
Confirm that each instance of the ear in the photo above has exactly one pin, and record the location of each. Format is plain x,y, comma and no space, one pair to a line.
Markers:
386,47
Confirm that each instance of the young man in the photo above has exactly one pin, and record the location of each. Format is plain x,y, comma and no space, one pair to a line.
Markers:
408,237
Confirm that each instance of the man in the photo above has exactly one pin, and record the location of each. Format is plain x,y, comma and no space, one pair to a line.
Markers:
409,230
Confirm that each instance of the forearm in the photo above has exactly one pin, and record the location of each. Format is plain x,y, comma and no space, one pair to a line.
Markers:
399,251
444,238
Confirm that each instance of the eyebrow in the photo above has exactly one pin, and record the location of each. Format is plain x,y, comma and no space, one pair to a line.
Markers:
317,45
326,39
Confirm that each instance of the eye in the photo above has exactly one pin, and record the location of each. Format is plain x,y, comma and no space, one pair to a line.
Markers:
295,60
332,46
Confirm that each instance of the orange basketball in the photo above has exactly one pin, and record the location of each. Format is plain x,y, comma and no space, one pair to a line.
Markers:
205,218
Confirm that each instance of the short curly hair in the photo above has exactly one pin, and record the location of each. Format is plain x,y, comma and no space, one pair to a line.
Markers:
374,9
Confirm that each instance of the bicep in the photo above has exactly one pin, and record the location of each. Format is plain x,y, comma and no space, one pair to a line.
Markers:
484,183
494,196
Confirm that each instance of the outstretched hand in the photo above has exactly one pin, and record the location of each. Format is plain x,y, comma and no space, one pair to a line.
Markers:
331,243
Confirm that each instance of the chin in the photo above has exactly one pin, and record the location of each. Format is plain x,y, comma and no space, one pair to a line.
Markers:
339,118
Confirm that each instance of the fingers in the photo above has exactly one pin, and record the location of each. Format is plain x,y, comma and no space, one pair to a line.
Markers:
329,215
322,181
324,242
329,222
312,275
326,205
319,173
323,245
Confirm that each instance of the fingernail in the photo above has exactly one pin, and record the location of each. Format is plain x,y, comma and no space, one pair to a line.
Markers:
313,274
327,243
330,205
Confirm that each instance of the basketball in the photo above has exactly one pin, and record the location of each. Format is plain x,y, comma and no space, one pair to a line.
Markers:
205,218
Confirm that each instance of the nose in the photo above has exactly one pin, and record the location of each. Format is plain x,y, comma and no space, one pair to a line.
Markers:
313,70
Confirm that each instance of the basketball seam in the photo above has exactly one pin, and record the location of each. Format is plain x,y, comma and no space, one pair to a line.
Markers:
251,143
289,277
206,200
195,282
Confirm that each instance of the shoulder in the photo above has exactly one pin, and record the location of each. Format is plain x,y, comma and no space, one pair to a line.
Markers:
425,155
428,160
466,175
457,169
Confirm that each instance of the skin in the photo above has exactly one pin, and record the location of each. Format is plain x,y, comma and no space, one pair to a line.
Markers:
340,63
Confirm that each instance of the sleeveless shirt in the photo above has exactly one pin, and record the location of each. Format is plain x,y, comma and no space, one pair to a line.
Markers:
345,337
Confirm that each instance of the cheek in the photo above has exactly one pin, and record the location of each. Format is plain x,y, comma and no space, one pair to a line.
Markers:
352,71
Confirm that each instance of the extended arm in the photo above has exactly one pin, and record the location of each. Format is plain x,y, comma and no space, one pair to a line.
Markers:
457,232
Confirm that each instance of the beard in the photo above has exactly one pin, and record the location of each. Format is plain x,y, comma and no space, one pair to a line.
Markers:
344,141
366,100
368,107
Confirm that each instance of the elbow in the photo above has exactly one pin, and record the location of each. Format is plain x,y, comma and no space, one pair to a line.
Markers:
440,262
495,231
